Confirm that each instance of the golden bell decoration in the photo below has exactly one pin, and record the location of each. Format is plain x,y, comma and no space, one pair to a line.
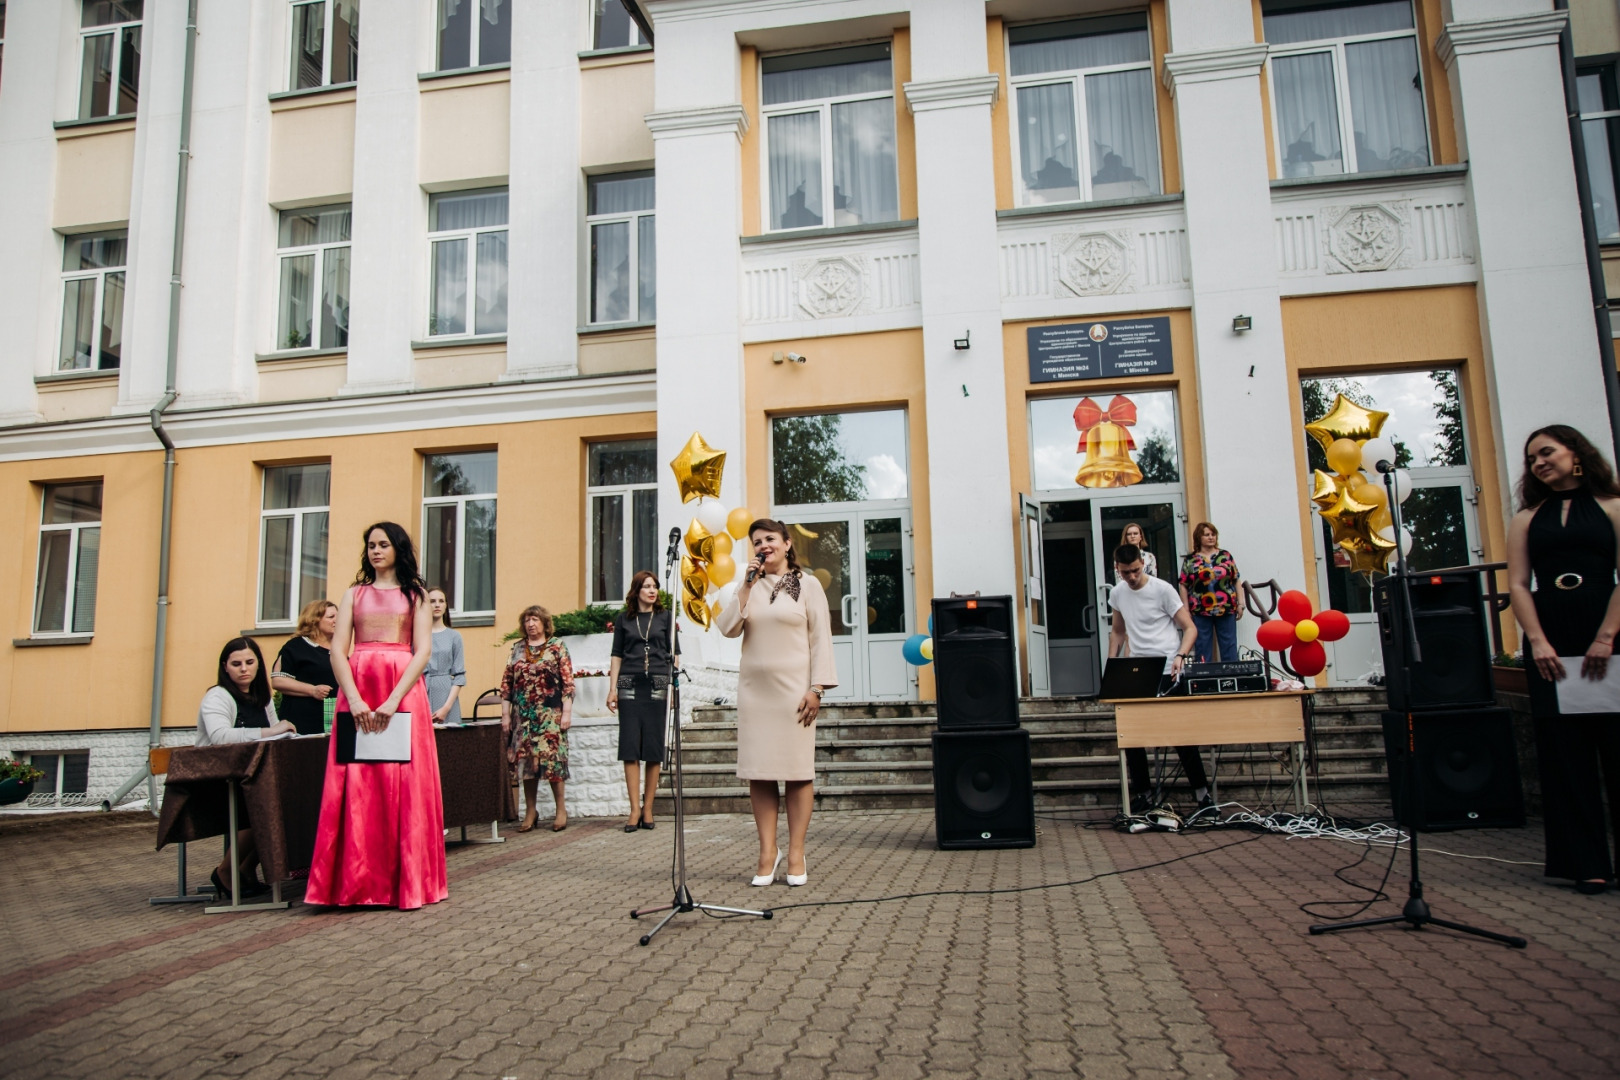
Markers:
1108,463
698,469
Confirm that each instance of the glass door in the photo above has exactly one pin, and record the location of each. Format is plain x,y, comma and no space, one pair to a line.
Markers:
1040,678
1163,521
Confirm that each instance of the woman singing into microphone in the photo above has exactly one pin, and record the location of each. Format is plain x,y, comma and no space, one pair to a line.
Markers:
787,662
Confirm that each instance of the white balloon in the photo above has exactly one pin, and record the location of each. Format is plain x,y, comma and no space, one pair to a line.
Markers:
711,515
727,593
1403,485
1406,541
1375,450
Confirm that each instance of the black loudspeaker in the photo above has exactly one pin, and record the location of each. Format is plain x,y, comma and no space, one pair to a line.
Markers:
984,790
1467,769
1448,612
975,676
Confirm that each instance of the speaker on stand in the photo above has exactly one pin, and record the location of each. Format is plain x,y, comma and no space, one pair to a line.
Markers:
1448,614
984,788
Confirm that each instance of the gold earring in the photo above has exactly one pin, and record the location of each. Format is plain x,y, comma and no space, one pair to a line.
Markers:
1578,471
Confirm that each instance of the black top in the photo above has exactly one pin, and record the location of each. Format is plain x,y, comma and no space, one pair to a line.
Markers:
312,665
1573,561
641,641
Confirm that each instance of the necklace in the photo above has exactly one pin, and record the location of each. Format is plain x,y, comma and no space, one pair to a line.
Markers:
646,642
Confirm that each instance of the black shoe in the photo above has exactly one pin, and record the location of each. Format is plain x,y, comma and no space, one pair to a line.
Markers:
1206,811
647,825
253,887
221,890
1591,888
1140,804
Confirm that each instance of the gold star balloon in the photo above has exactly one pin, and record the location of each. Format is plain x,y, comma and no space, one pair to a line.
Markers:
699,542
698,468
1325,490
1346,420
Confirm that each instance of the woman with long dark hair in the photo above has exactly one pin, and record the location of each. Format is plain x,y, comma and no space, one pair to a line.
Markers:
447,670
1566,536
381,835
638,690
787,663
238,708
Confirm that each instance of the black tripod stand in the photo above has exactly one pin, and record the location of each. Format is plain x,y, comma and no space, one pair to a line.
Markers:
682,900
1416,912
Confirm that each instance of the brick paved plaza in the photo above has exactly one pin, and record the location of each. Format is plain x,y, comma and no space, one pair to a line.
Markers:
1201,968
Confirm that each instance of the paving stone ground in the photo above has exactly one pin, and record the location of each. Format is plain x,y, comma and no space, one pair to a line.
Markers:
1143,967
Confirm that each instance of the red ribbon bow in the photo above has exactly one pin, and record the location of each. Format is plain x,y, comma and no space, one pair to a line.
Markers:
1088,414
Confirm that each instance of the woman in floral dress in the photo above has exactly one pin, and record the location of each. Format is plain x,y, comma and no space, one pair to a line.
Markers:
537,694
1211,587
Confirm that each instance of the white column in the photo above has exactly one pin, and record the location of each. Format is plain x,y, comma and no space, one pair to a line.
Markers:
1535,303
31,263
543,305
1250,434
386,295
950,96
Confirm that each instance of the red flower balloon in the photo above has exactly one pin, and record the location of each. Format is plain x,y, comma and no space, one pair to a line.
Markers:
1301,631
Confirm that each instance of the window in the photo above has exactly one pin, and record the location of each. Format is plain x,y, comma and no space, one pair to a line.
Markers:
110,45
1345,86
1087,124
66,780
314,306
829,126
839,457
325,43
613,26
467,289
292,539
458,529
1600,126
622,489
619,213
1057,449
473,33
69,553
92,301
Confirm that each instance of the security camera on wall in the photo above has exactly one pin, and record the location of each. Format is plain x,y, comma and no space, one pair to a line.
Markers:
791,358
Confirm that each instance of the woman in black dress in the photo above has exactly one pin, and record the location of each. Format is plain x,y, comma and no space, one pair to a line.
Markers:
638,690
303,672
1565,533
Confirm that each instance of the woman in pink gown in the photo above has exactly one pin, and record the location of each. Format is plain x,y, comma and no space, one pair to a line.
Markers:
381,836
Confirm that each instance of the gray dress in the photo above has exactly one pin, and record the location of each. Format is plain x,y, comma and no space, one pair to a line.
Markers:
447,667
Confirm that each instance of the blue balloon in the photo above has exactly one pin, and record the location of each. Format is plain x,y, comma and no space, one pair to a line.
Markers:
930,626
912,650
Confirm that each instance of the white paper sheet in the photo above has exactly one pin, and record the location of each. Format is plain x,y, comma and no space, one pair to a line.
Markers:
1578,694
392,743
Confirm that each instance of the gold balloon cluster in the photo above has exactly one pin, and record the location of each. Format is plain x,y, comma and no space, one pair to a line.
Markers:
707,567
1354,505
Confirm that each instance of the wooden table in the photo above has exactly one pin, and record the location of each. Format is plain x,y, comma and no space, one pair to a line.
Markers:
1276,716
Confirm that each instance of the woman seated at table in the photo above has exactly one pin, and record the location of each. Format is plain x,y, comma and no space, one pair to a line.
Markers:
238,708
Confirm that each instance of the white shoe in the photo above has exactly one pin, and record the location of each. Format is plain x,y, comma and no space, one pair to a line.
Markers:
761,880
800,879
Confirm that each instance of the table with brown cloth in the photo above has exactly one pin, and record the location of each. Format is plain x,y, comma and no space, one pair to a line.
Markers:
473,774
280,781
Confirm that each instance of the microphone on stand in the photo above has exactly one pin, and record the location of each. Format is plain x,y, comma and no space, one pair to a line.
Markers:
1385,466
674,548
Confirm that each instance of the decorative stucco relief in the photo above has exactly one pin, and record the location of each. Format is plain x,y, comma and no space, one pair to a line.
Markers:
830,287
1365,237
1093,263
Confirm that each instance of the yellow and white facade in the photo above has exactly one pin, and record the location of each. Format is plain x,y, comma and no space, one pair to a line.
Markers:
454,261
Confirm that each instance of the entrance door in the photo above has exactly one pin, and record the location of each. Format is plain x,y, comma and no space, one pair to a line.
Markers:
1164,527
863,561
1040,680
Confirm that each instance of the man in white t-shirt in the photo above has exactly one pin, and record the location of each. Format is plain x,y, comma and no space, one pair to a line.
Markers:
1150,618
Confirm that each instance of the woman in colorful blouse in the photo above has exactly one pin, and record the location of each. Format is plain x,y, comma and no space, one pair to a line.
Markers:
1210,587
537,695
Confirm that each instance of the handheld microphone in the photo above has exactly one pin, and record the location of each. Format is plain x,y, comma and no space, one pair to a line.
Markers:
752,575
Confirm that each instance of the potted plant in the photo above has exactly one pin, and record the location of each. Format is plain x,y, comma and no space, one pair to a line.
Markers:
1507,674
16,781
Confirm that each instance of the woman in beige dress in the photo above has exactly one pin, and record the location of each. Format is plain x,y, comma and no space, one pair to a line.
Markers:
787,662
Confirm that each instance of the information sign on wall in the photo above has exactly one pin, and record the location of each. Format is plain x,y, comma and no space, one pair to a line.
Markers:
1123,348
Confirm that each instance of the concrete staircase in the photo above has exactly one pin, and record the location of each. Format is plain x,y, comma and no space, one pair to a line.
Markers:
879,756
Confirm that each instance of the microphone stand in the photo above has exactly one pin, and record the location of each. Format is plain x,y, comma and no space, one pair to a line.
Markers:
682,900
1416,912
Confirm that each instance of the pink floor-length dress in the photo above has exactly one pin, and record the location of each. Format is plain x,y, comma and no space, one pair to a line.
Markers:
381,836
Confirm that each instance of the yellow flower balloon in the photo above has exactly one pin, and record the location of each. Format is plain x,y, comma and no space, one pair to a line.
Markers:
698,469
1307,630
927,649
1346,420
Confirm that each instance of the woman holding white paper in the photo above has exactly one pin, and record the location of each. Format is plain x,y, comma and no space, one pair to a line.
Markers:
1567,534
381,834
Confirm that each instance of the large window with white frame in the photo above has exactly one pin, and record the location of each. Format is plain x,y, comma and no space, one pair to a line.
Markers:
1595,86
612,27
69,558
313,310
292,539
1087,122
467,276
1346,90
474,33
458,529
829,137
110,57
624,247
324,43
92,337
622,492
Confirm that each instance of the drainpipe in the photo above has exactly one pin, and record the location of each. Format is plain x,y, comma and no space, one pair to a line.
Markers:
160,647
1594,259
